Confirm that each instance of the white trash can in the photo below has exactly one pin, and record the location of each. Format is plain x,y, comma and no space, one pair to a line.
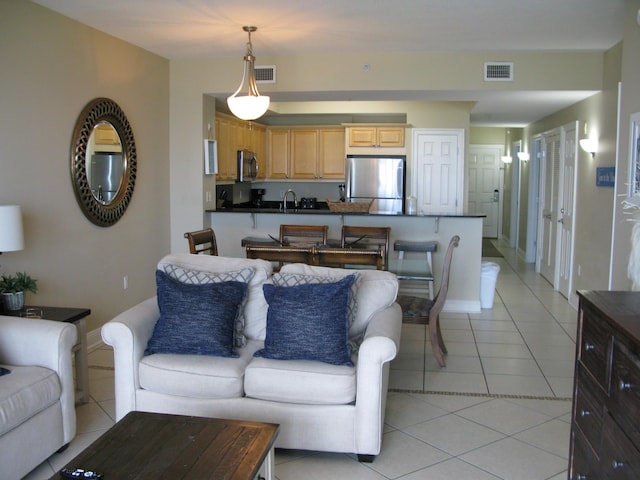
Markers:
488,279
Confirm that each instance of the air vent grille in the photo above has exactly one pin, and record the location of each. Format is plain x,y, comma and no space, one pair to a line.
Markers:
498,72
265,74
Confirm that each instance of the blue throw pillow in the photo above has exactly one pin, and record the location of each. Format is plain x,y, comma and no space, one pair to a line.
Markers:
196,319
308,322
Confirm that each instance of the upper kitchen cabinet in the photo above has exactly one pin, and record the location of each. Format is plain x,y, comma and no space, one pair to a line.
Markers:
376,136
306,153
278,148
233,135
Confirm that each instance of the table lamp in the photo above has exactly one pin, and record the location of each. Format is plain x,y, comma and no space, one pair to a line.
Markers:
11,232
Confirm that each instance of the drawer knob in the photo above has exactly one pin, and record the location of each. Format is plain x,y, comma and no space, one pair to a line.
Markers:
589,346
617,464
581,477
585,413
625,385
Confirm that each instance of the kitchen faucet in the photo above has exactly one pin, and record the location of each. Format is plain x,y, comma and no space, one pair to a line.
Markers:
284,200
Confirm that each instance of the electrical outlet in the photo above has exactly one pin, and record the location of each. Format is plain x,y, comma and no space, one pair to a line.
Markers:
125,282
208,197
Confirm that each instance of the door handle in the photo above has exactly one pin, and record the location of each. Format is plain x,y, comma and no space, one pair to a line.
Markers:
496,195
561,221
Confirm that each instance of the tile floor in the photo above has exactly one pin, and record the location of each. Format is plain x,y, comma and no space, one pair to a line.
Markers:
499,410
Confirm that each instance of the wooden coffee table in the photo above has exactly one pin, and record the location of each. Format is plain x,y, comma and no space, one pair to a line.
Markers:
156,446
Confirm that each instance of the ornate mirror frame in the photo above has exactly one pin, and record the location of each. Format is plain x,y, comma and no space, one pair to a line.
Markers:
96,111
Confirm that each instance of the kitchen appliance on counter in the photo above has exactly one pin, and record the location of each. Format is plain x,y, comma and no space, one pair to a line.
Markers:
380,178
247,166
256,197
308,202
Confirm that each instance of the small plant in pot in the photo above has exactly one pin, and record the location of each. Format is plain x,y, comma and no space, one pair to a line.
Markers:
14,287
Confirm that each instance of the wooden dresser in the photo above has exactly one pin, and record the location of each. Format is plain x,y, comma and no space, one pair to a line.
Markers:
605,428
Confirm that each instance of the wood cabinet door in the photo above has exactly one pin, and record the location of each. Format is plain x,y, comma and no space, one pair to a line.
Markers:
258,144
304,153
331,153
362,137
390,137
278,153
225,136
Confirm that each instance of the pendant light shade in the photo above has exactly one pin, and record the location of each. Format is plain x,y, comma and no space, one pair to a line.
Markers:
248,105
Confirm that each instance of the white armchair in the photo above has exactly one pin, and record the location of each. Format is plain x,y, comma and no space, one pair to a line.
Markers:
37,399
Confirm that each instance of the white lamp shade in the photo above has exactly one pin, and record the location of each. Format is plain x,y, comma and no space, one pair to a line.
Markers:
11,232
506,159
248,107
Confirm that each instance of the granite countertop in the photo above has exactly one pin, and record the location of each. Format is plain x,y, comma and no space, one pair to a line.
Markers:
270,207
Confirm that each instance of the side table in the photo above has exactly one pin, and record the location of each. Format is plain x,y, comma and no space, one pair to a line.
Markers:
77,317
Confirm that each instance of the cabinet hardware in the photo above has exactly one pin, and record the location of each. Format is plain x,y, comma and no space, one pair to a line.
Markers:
581,477
585,413
589,346
617,464
625,385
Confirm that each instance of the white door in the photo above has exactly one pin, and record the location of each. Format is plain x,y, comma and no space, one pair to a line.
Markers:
566,208
483,174
549,179
438,177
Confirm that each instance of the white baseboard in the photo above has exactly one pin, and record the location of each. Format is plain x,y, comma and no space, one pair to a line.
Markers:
94,340
462,306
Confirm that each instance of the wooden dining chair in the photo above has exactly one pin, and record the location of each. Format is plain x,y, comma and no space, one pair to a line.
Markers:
303,234
202,242
423,310
366,237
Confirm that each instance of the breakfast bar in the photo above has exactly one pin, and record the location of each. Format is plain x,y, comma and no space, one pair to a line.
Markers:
231,225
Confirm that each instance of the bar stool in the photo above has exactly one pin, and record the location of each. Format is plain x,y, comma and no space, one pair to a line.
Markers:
427,247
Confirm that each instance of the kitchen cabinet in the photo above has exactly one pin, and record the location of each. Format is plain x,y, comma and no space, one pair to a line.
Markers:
380,136
278,140
232,135
306,153
605,427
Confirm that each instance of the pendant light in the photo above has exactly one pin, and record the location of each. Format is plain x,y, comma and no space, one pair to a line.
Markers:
251,105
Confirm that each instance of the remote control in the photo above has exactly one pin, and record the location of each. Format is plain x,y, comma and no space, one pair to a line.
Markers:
80,473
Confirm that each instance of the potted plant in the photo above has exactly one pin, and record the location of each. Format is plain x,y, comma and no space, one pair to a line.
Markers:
14,287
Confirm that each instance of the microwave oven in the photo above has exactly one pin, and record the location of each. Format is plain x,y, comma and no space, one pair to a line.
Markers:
247,166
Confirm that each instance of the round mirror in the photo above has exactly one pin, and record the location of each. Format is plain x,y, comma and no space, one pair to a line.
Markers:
103,162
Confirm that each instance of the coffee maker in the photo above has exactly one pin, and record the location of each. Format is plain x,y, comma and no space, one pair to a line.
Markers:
256,197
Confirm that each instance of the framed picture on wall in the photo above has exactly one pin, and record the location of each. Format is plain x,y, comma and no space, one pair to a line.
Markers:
210,157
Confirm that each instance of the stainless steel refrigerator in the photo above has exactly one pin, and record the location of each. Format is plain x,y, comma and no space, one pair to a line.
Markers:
377,177
105,175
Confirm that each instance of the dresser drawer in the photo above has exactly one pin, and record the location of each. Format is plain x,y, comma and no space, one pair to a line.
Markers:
588,409
584,465
595,347
625,391
620,460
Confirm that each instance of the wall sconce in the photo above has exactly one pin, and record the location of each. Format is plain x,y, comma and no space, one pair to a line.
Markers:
250,105
524,156
589,145
11,232
506,159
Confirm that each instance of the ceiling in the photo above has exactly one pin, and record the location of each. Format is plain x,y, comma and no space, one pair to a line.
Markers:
201,29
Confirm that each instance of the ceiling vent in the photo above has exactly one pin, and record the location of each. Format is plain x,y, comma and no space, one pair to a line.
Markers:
265,74
498,72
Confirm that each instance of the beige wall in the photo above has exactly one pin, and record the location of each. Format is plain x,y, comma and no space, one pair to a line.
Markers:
51,67
630,103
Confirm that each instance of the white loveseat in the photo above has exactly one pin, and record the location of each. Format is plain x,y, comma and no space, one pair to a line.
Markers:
37,397
319,406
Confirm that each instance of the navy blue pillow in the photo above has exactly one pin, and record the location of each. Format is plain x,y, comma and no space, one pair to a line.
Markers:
308,322
196,319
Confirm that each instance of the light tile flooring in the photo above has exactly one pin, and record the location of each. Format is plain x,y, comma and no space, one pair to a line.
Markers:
499,410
